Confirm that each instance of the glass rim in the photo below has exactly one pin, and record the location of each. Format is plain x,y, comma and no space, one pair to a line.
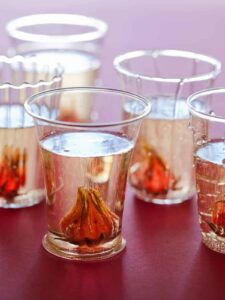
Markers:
203,115
146,110
168,53
14,30
31,60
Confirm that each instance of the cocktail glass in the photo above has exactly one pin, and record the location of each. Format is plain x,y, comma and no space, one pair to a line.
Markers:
162,165
20,170
74,41
85,167
208,125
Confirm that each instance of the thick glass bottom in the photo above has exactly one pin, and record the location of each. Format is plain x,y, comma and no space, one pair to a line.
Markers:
61,248
163,200
29,199
214,242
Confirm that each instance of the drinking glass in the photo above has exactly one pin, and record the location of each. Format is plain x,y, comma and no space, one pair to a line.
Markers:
208,125
85,169
162,165
20,170
75,41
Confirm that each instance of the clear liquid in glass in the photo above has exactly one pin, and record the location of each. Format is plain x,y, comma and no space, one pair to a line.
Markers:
20,170
85,176
80,69
210,180
162,164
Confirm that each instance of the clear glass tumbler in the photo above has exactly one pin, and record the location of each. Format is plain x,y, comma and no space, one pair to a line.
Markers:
85,167
74,41
208,125
20,170
162,165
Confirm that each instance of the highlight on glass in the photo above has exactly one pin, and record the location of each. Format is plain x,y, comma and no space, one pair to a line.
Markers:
85,168
162,166
207,121
20,171
74,41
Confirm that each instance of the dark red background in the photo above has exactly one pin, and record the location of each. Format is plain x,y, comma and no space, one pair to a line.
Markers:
164,258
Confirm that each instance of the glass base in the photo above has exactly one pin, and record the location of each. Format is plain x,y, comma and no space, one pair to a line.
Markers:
57,246
162,200
29,199
214,242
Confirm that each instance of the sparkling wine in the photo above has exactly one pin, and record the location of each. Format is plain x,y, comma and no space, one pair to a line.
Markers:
162,165
20,170
210,179
85,175
80,69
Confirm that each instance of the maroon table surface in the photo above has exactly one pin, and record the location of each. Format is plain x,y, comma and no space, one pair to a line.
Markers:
164,257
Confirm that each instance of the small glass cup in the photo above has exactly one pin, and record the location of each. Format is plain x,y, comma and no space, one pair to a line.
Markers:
85,167
162,165
74,41
207,121
20,171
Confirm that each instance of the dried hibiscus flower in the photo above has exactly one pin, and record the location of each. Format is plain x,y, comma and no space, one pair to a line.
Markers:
89,221
68,117
218,218
151,174
12,171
